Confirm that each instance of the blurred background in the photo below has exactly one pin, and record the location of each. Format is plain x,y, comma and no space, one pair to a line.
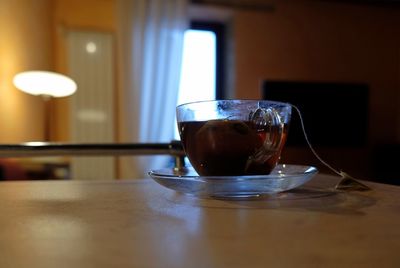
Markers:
126,94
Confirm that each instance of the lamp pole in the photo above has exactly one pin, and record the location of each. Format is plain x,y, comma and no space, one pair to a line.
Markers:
47,99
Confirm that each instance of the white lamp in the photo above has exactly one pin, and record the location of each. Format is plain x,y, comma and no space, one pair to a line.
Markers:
43,83
47,85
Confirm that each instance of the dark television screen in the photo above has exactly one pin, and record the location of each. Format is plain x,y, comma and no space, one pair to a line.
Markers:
334,114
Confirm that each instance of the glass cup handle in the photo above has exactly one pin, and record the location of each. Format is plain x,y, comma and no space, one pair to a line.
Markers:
269,120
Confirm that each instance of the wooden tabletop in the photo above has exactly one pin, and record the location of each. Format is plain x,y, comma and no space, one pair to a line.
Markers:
139,223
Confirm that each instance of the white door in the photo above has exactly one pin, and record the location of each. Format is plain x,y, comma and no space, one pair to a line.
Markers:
91,65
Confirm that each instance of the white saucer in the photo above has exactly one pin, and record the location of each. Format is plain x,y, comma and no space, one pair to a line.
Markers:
284,177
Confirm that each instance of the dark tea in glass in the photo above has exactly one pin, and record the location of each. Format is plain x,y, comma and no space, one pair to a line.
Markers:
229,147
233,137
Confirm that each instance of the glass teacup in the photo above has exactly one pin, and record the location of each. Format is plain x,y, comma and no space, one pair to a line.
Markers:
233,137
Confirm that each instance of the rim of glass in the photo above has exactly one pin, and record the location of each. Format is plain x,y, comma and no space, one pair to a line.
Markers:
241,100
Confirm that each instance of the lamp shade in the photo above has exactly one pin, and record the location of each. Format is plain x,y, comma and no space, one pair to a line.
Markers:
45,83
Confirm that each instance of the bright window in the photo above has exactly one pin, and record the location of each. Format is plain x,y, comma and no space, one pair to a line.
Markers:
198,75
198,66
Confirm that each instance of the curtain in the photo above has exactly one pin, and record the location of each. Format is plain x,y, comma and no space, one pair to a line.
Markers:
150,45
